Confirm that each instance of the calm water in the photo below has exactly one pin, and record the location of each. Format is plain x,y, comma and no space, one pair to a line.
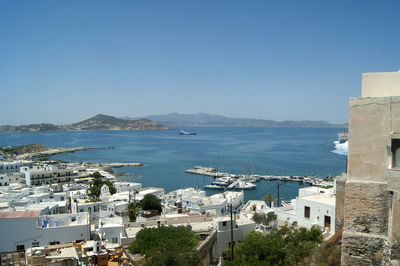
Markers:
276,151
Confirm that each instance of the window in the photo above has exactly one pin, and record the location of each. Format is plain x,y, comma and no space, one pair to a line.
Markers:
20,247
395,153
306,212
54,243
115,240
223,223
35,244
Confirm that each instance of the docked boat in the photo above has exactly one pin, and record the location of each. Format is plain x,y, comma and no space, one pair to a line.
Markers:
182,132
220,183
343,137
245,185
214,187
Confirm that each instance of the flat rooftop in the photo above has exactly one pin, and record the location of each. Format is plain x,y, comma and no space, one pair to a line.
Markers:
19,214
322,199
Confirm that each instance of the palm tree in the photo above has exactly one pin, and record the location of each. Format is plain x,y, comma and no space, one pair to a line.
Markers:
269,198
133,210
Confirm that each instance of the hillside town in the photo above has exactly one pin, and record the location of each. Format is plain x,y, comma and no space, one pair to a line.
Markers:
48,214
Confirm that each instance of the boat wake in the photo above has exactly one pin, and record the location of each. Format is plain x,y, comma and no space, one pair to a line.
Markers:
341,148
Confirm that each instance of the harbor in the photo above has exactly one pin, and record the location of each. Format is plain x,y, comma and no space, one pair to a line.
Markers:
230,181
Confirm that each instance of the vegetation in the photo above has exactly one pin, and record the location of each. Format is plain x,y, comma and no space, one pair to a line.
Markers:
10,151
150,203
287,245
269,198
328,253
133,210
167,246
95,189
264,219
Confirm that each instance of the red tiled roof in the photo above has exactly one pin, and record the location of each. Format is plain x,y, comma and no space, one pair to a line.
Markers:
19,214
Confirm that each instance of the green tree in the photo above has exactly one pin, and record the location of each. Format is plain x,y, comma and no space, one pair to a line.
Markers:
98,182
96,175
287,245
167,246
151,202
133,210
259,218
269,198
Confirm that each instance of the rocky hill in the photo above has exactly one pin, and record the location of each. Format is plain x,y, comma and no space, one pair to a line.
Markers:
208,120
98,122
106,122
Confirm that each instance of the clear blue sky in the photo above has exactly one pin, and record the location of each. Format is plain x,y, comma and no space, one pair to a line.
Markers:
65,61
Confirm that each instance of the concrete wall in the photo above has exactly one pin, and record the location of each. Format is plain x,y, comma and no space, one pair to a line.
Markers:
381,84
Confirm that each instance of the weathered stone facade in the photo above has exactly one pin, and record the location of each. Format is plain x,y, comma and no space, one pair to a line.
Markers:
371,214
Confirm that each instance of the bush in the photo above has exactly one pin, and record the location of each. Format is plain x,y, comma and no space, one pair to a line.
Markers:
151,202
167,246
284,246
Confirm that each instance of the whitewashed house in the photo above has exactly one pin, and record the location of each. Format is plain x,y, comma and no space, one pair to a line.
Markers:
26,229
315,206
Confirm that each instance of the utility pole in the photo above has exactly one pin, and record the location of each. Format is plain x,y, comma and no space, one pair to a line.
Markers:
231,232
278,194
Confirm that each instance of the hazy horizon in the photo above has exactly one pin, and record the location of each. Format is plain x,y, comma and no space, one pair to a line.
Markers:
66,61
139,117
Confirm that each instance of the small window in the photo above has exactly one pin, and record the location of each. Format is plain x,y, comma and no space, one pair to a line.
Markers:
223,223
306,212
35,244
395,153
115,240
20,247
54,243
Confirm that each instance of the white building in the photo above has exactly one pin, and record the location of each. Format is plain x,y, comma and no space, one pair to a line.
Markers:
205,205
46,174
316,206
111,229
127,186
22,230
234,197
10,166
4,180
241,228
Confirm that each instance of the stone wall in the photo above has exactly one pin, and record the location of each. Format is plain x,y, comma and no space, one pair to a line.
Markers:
366,208
363,249
340,196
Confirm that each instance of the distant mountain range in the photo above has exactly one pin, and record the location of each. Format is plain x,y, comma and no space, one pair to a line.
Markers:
98,122
176,120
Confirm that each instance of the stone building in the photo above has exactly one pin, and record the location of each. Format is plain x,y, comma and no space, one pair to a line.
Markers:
368,197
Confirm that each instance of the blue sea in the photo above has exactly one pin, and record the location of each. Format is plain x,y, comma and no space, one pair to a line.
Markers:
165,154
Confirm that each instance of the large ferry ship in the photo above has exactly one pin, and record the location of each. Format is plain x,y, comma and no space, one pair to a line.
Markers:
343,137
182,132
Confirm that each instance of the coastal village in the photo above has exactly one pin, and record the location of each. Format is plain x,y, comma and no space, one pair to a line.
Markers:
48,215
52,214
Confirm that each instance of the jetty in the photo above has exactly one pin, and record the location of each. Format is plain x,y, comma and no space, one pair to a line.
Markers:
117,165
51,152
212,172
